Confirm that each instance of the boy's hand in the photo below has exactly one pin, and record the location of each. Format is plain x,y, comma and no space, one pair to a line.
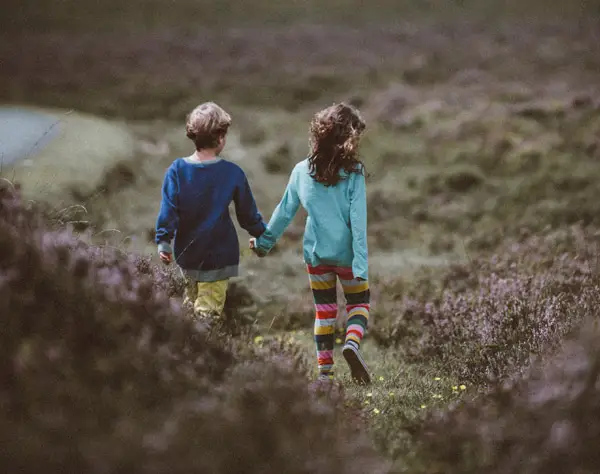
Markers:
165,257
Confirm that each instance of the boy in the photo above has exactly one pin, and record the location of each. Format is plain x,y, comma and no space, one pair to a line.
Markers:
194,211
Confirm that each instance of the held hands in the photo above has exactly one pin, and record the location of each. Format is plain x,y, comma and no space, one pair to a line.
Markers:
255,249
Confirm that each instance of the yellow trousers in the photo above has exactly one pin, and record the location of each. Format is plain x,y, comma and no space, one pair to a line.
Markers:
206,297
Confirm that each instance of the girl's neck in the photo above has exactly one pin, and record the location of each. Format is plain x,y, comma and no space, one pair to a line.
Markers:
204,155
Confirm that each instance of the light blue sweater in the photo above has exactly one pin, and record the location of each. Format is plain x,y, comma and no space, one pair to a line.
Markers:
336,227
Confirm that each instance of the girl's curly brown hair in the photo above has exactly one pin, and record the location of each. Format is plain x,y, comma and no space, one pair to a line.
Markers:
335,133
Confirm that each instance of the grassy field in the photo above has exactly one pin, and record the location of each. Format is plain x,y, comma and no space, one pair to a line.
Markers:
483,152
82,152
148,15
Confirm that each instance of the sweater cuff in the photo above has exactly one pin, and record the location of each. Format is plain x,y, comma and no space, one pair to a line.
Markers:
257,229
265,242
164,247
358,272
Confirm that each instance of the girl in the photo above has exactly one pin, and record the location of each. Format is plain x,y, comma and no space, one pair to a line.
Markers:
330,185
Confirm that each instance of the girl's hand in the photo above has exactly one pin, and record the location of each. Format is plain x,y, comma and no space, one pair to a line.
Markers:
252,243
165,257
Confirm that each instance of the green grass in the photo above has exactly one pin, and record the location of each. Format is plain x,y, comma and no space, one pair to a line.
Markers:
400,397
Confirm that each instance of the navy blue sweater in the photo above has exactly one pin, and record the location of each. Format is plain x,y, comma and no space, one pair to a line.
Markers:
194,211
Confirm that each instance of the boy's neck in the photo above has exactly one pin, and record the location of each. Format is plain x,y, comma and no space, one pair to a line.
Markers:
204,155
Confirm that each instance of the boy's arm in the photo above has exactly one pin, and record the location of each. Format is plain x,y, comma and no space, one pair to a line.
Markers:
168,216
281,218
358,225
246,210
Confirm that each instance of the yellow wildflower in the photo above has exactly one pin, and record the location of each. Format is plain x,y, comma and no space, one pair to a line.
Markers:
369,394
454,387
392,394
437,379
423,406
381,379
258,339
376,411
367,402
463,387
338,341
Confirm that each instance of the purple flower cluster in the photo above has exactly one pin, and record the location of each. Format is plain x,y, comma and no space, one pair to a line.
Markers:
489,317
546,420
101,371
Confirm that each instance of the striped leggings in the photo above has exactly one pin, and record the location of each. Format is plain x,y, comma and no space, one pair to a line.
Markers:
323,281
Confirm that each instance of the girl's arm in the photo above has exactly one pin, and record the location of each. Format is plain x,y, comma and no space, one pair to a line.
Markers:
168,216
358,225
281,218
246,210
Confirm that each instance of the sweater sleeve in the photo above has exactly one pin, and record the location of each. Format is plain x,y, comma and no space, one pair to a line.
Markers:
282,216
358,225
168,216
246,210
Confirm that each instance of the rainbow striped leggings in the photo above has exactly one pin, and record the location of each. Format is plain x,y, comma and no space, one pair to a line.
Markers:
323,282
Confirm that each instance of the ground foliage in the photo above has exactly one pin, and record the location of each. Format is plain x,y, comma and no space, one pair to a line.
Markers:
103,372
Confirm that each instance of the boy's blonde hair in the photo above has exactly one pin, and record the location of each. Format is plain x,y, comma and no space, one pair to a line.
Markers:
206,124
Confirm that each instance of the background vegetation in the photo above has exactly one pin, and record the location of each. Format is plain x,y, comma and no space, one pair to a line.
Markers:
483,147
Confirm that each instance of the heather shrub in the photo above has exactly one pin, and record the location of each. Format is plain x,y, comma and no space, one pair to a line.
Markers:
169,279
312,434
102,372
484,320
280,160
240,306
548,421
458,179
87,341
463,179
